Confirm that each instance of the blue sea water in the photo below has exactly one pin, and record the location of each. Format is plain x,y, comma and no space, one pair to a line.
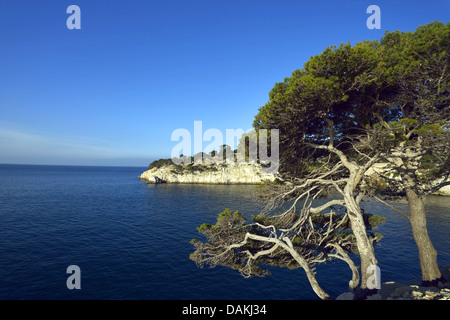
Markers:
131,240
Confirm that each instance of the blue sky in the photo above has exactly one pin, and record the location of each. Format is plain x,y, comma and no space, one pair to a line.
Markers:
113,92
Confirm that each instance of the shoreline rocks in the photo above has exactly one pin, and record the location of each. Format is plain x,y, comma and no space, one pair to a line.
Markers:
408,291
403,292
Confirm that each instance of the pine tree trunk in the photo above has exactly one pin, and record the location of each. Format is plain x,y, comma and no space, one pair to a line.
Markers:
364,245
427,253
365,248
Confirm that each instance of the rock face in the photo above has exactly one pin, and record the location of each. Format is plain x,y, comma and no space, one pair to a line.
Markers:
234,173
243,173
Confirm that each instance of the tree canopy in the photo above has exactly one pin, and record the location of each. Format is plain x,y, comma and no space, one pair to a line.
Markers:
371,84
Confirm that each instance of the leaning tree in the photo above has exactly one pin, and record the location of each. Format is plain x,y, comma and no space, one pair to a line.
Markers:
304,234
394,104
348,108
415,144
312,163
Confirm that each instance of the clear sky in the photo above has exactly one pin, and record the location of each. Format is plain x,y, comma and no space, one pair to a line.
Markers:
112,92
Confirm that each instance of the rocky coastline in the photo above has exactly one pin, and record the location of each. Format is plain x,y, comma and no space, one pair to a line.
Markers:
234,173
412,290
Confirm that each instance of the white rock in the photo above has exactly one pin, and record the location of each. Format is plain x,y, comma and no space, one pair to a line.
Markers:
217,174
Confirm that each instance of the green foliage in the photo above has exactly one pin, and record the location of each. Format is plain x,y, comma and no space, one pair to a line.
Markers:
432,129
228,215
262,219
378,236
183,168
160,163
428,162
204,227
398,86
376,220
226,218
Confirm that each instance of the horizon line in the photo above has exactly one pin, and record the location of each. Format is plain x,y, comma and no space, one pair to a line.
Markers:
69,165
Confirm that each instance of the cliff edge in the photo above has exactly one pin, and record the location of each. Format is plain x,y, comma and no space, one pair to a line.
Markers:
234,173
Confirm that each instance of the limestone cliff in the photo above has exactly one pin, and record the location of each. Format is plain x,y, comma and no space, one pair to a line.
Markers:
243,173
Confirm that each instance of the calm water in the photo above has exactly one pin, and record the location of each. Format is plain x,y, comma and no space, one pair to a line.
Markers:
131,240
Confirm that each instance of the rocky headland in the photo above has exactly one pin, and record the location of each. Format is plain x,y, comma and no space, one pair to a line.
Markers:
234,173
164,171
211,171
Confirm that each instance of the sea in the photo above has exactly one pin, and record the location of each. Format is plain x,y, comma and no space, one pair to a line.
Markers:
131,240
